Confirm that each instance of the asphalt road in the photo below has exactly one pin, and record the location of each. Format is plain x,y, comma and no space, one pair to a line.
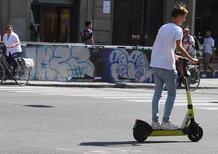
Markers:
57,120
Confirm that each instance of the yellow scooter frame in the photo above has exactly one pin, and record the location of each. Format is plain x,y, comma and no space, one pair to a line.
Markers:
142,130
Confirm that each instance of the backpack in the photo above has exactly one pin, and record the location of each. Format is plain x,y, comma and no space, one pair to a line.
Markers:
197,44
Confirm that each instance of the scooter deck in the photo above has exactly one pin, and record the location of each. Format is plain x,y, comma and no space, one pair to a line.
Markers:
177,132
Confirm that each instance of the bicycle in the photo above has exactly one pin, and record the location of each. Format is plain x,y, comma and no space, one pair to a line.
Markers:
20,74
193,78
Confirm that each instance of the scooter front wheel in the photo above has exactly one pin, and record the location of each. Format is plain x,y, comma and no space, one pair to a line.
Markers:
195,134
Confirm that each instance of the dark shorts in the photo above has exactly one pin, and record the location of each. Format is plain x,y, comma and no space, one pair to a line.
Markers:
206,58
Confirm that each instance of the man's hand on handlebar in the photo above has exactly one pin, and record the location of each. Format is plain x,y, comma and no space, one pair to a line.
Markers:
193,61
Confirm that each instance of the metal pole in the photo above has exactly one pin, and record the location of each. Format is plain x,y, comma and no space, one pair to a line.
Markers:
193,17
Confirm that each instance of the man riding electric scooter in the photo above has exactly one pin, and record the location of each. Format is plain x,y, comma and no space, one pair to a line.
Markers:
163,61
163,65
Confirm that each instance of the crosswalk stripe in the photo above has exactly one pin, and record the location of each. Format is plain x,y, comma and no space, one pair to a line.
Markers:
126,95
208,108
196,104
177,101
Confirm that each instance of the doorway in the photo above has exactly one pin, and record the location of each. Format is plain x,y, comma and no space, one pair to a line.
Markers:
55,24
128,25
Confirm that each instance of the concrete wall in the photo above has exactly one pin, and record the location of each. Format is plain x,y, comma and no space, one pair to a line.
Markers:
60,63
71,62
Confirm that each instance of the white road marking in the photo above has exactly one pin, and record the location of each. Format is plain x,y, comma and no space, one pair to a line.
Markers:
125,95
65,150
208,108
177,101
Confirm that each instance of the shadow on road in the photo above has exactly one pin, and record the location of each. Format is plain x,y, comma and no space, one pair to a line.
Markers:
39,106
131,143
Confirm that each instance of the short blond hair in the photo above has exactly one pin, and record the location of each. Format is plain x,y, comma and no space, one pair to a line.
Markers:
180,9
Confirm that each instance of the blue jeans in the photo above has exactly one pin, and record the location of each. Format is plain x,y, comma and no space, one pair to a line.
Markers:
11,59
161,77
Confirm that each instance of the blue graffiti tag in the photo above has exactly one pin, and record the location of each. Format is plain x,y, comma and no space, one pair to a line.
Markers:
43,64
78,72
129,66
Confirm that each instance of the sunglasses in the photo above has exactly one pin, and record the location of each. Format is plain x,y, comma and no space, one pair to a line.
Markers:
7,30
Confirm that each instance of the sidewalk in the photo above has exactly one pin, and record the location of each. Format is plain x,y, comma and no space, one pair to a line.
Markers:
205,83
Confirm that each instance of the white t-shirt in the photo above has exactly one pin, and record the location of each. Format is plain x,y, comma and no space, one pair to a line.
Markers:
163,51
188,43
208,45
12,39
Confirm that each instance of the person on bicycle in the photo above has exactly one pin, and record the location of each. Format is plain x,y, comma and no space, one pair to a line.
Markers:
13,45
188,42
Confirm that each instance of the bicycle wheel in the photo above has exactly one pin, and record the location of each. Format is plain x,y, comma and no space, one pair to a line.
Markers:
21,75
2,73
194,79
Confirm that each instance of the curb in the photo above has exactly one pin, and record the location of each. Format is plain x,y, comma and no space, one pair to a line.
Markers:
107,85
93,85
101,85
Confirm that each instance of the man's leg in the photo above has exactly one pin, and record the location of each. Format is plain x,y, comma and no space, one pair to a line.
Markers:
157,95
171,88
210,68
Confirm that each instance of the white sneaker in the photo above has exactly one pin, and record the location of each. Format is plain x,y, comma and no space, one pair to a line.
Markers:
214,73
204,75
156,125
168,126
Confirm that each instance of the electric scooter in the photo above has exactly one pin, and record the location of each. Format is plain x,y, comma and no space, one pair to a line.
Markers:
142,130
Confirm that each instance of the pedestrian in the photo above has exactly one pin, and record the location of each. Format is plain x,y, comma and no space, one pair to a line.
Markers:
87,33
188,42
208,50
199,37
33,33
13,45
163,60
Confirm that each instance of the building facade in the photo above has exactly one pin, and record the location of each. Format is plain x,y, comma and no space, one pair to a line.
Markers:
16,13
118,22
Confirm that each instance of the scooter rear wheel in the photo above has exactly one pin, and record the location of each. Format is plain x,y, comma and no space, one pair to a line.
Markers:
195,134
141,130
139,135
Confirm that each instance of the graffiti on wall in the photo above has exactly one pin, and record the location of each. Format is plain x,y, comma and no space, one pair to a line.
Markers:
133,65
60,63
70,63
